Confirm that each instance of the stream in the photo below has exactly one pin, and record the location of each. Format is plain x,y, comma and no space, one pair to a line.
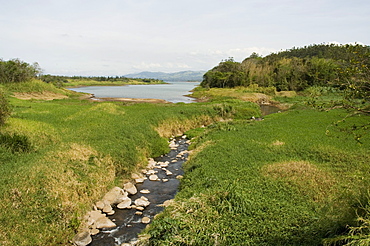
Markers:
128,222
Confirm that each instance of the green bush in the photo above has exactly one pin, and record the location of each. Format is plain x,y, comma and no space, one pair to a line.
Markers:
16,71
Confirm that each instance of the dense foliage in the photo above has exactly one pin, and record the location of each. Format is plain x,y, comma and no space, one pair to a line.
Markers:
295,69
17,71
61,81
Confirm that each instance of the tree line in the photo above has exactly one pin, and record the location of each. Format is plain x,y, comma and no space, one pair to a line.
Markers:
295,69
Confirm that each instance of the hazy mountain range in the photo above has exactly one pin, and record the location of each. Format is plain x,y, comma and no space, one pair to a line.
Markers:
178,76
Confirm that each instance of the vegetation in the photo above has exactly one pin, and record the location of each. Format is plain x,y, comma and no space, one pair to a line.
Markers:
295,69
59,156
17,71
280,181
295,178
4,108
76,81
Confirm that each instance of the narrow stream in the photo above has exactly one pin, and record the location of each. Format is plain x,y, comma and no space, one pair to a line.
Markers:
128,222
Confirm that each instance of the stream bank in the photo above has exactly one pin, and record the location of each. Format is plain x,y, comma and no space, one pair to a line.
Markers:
154,187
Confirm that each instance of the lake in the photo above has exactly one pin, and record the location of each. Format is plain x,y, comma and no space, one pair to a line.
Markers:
172,92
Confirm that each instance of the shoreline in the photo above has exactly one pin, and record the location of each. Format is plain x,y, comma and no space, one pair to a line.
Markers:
122,99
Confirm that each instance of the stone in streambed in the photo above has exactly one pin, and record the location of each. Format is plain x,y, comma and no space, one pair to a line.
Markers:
145,191
153,177
114,196
125,204
142,202
130,188
168,172
93,216
145,220
107,208
100,205
94,231
104,222
82,238
139,180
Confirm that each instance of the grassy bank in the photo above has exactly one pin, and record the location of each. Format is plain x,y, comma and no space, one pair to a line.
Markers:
59,156
281,181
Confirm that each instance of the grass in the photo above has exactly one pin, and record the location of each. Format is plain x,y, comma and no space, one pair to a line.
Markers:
294,178
60,156
281,181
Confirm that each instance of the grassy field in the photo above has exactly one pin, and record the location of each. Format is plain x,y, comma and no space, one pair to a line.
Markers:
291,179
59,156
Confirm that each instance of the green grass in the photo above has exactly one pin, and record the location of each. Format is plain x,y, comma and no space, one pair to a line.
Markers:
60,156
292,179
281,181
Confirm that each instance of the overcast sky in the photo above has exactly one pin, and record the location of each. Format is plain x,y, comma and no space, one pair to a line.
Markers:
117,37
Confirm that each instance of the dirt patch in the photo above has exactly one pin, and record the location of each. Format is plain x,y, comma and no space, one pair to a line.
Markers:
46,95
303,175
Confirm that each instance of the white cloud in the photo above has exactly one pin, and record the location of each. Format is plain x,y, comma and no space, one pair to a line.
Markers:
165,67
124,36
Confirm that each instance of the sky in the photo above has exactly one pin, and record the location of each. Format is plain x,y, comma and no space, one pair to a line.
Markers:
117,37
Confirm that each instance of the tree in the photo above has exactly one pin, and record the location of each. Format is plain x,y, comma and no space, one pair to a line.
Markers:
228,73
16,71
355,84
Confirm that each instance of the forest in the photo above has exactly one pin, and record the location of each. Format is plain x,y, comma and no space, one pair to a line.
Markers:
338,66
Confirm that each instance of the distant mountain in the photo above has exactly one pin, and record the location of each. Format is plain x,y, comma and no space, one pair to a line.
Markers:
179,76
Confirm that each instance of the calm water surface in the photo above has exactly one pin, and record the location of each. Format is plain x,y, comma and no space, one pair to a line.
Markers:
172,92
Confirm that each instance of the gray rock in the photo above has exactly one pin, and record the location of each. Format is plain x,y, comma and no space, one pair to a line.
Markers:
82,238
107,208
130,188
145,191
139,180
104,222
142,202
100,205
95,215
125,204
145,220
153,177
114,196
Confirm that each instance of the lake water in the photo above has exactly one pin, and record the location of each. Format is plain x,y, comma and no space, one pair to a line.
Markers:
172,92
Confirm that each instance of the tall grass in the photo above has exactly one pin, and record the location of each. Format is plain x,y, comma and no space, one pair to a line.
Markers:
281,181
58,157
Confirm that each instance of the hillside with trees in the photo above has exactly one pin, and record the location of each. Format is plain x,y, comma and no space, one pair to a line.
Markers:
296,69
